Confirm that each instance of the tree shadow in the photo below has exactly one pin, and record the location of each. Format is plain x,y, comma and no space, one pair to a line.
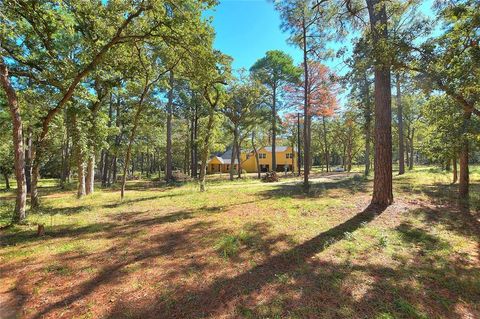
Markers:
353,185
209,300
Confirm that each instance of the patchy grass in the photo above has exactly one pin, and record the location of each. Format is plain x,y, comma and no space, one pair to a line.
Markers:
246,249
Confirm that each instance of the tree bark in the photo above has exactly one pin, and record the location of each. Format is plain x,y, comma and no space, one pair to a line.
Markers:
90,179
17,134
239,165
34,199
257,159
455,170
205,150
7,181
81,177
410,165
234,153
306,115
325,143
169,176
464,179
28,162
401,144
299,143
274,129
382,182
368,126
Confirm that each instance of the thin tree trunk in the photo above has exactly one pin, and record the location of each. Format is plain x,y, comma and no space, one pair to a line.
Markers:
382,182
274,129
169,176
257,159
325,143
464,179
239,165
81,177
455,170
401,144
34,200
306,125
7,181
17,134
205,150
299,143
90,180
28,161
233,154
410,165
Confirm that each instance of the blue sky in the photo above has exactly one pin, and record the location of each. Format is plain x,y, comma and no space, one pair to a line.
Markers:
246,29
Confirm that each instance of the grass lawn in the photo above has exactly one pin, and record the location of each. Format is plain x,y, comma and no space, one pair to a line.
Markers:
246,249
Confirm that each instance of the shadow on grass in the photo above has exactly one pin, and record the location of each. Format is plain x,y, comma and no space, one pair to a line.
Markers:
353,185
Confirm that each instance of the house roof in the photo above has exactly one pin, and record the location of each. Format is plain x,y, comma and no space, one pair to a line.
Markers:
278,149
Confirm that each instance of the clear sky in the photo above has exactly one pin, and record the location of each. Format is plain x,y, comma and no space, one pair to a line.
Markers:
246,29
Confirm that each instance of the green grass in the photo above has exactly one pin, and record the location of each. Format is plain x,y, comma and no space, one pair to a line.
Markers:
265,250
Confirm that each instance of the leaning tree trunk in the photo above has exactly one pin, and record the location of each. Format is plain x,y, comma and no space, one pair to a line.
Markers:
17,133
382,182
401,144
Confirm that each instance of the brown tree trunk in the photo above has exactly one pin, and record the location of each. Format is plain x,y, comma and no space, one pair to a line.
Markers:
410,164
205,150
239,165
34,199
299,143
234,153
464,179
7,181
255,151
306,109
455,170
81,177
90,180
17,134
325,143
274,130
168,175
382,182
368,126
401,144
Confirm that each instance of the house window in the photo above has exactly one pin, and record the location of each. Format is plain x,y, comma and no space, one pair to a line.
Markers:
228,167
289,155
262,155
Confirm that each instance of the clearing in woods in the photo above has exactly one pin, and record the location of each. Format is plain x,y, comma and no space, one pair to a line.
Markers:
246,249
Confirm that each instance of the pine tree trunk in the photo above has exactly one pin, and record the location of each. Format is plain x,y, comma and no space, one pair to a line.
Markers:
299,143
382,182
368,126
274,129
401,144
17,134
257,159
7,181
455,170
34,200
90,180
233,154
81,191
410,165
325,143
306,109
28,162
169,176
464,180
205,150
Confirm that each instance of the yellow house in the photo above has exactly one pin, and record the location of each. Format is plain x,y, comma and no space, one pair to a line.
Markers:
285,155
